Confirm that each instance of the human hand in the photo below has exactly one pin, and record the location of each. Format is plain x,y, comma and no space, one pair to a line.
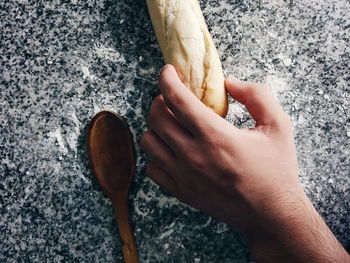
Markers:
245,177
208,163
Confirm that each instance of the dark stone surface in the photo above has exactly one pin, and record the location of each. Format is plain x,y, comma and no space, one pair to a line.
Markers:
62,61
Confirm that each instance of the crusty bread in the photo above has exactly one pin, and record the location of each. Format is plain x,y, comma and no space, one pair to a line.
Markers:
186,43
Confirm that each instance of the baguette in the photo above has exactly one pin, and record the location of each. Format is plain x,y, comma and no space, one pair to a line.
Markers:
185,42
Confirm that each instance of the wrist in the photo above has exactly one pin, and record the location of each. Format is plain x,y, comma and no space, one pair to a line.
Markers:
279,214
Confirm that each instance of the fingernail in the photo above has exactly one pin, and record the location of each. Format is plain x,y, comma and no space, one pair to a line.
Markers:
233,80
165,66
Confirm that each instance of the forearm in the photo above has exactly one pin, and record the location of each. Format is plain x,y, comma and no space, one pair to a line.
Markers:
298,235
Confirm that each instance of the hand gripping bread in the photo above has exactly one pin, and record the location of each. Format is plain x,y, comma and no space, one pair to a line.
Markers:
185,43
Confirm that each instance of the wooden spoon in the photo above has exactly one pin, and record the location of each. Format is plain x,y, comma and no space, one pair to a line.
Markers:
112,158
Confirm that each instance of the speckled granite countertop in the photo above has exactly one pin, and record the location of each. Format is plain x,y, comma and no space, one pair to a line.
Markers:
61,61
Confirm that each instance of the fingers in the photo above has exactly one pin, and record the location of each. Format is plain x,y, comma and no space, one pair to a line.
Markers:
165,125
187,108
258,100
161,177
158,151
162,161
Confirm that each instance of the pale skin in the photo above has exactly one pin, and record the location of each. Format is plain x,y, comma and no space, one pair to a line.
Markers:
247,178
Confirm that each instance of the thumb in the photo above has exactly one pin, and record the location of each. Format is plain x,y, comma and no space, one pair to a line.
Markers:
258,100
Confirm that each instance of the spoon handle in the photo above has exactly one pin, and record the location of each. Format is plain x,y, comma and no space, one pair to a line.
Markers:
121,209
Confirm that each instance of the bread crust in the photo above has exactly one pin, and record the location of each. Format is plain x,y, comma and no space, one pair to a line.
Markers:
185,42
